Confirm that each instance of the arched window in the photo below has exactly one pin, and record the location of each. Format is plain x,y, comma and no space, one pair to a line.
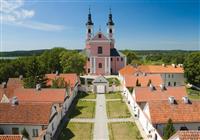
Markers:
174,83
89,30
110,31
169,84
99,35
100,65
100,50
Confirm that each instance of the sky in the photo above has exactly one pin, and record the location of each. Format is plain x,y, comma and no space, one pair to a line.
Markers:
139,24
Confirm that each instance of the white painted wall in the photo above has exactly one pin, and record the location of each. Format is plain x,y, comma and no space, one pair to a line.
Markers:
29,128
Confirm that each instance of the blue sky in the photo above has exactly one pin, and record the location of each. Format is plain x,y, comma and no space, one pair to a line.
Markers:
139,24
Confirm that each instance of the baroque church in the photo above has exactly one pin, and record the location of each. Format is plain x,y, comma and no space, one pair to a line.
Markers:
102,56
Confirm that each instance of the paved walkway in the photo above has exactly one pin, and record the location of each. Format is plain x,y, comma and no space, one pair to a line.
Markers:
88,100
100,126
82,120
121,120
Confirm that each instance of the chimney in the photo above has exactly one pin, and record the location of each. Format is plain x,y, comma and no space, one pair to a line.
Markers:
163,65
14,101
185,99
57,73
171,100
162,87
151,87
174,65
21,77
38,87
180,65
4,84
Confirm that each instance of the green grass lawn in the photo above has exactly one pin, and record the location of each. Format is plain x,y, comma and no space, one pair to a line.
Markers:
117,109
83,95
123,131
77,131
193,94
114,95
83,109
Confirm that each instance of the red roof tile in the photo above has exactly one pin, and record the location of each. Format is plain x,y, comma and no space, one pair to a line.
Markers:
186,135
44,95
151,69
130,80
12,84
162,110
144,94
25,113
11,137
70,78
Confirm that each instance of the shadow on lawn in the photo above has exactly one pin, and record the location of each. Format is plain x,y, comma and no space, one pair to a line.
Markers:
66,134
82,94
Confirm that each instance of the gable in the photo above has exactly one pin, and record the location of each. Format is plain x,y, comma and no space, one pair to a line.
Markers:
100,37
100,79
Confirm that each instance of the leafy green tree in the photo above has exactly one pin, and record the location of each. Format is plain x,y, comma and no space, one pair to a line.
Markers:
168,130
131,56
59,83
192,68
51,60
25,133
35,73
72,62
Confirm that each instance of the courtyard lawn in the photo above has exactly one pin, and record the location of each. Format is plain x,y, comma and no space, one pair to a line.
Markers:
193,94
114,95
77,131
83,95
123,131
117,109
83,109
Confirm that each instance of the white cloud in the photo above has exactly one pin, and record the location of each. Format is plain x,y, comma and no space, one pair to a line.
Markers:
13,13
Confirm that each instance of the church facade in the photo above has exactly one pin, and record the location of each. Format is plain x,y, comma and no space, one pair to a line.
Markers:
102,56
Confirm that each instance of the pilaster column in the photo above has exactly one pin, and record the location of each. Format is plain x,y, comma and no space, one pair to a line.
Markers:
91,65
94,64
109,61
105,65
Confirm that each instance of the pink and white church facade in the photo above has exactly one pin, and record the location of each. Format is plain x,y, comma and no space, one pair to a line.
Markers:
102,56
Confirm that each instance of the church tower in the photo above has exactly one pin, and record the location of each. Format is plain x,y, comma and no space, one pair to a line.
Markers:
110,26
89,26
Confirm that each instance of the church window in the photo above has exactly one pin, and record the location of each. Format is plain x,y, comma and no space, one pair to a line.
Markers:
111,59
174,83
88,59
88,70
100,50
121,58
117,59
89,30
99,35
110,31
100,65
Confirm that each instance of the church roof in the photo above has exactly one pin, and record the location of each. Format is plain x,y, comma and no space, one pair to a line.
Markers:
115,52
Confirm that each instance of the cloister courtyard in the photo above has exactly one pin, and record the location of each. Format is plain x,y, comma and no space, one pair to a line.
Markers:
99,116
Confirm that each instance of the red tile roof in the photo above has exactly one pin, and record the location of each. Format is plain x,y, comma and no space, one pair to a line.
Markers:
25,113
11,137
12,84
160,111
130,80
44,95
144,94
128,70
186,135
151,69
69,78
160,69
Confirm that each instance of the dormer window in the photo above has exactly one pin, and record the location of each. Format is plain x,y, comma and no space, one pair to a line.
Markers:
99,35
100,50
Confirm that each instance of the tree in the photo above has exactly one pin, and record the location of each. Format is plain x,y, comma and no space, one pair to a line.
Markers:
192,68
72,62
130,56
59,83
35,73
51,61
168,130
25,133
